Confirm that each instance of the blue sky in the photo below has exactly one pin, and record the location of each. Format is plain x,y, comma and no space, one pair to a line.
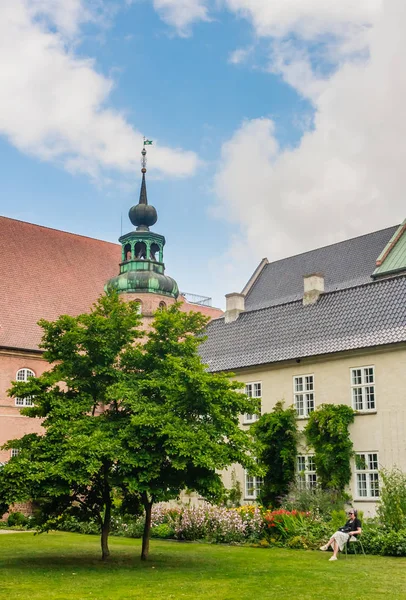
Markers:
270,136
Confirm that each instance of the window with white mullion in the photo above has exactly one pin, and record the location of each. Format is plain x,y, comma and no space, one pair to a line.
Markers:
252,390
367,474
306,471
303,391
24,375
363,389
252,486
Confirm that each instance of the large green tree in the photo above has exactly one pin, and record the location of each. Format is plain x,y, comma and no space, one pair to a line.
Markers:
144,420
71,467
180,422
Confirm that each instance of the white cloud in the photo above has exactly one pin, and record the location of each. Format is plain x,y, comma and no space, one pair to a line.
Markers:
307,18
347,175
182,13
54,104
240,55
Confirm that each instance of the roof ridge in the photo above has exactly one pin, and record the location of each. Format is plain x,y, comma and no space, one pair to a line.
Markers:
330,245
59,230
330,292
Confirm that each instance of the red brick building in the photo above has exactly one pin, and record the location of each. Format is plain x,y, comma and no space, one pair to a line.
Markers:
46,273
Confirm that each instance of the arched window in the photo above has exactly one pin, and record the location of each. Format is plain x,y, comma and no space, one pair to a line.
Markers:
139,306
24,375
154,252
127,252
162,305
140,251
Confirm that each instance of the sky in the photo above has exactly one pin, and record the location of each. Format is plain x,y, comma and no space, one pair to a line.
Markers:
278,125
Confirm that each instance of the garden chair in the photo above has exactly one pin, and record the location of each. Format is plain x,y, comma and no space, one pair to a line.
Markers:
353,542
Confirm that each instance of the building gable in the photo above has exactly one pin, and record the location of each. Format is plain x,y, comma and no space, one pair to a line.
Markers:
393,258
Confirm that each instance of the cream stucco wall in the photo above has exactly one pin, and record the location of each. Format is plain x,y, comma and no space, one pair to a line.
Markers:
383,431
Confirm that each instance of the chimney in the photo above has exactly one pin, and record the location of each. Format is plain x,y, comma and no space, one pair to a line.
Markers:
235,303
313,287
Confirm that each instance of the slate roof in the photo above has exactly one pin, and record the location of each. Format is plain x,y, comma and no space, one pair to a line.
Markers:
343,265
359,317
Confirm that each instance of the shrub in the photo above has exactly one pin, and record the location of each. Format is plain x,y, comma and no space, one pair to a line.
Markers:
392,506
163,531
298,542
377,540
17,519
74,525
276,434
233,495
315,500
327,431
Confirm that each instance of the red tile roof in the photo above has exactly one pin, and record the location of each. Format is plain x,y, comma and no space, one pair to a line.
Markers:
45,273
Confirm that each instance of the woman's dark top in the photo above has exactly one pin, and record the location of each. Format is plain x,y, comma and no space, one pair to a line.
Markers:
352,525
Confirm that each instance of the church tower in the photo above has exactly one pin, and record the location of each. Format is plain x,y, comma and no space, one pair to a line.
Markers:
142,270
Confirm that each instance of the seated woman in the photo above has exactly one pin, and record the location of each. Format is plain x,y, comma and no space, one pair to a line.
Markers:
341,537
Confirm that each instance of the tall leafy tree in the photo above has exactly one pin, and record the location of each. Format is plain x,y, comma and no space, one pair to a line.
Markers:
72,466
144,420
277,435
184,421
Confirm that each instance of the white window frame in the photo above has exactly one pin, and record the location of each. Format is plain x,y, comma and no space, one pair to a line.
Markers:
304,399
139,306
253,389
367,477
362,388
14,452
306,471
24,375
252,486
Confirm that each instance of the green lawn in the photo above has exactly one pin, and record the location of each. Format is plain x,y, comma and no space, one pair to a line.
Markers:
67,566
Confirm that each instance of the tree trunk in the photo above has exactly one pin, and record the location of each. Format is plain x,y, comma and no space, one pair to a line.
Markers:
105,530
147,527
105,537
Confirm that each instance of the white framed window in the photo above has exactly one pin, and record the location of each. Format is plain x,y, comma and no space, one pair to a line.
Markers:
363,389
367,474
303,393
252,390
14,452
306,471
139,306
24,375
252,486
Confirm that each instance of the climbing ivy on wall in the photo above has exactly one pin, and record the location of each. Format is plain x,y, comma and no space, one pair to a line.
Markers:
276,435
327,432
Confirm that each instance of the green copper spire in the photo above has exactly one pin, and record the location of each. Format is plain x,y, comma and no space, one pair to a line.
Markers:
142,214
142,268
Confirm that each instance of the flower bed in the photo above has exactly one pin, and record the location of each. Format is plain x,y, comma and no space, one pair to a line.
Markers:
206,521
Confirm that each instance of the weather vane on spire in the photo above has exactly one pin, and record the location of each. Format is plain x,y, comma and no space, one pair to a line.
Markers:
144,155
